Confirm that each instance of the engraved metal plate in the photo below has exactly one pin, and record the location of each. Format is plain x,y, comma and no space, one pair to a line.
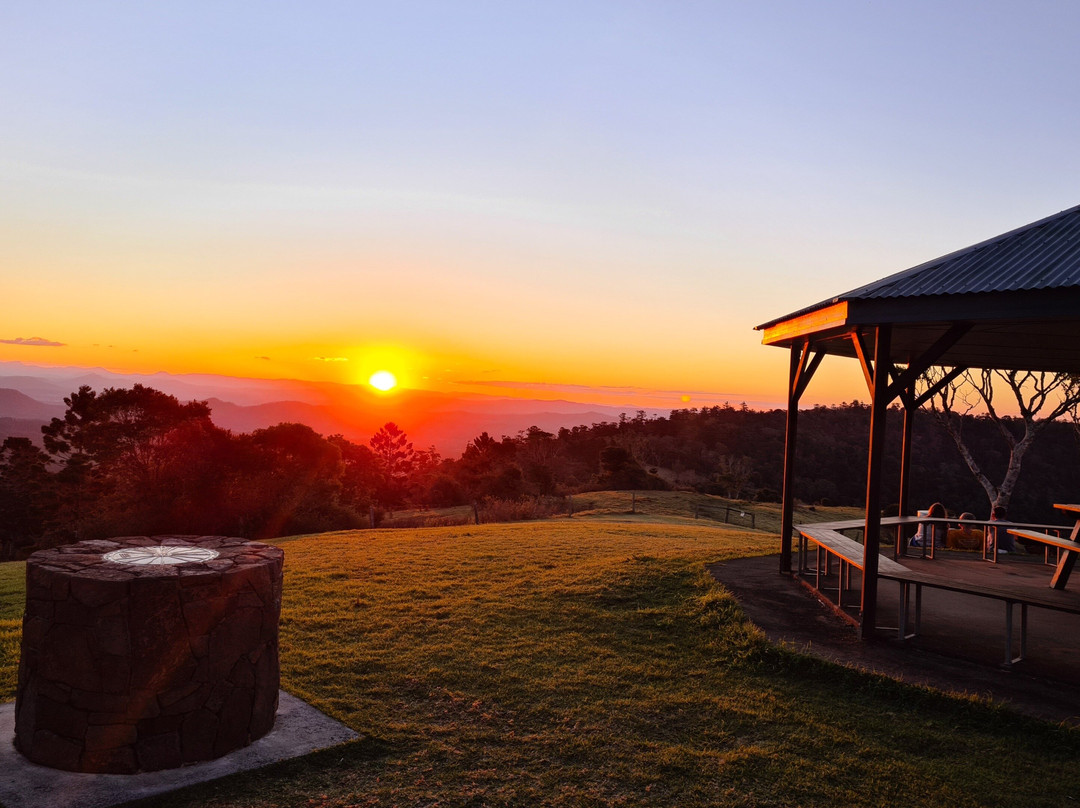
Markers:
167,554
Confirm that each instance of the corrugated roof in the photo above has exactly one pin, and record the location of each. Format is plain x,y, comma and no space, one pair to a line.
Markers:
1041,255
1044,255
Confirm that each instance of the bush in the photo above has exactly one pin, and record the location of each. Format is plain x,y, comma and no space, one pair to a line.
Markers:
493,509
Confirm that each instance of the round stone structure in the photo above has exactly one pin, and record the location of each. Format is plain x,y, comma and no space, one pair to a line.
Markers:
146,653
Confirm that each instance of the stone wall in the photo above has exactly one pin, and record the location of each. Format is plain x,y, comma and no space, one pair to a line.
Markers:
128,667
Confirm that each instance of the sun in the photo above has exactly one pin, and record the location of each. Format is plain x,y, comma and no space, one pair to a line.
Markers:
383,380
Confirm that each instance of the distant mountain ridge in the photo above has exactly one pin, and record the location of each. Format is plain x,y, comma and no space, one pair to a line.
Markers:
31,396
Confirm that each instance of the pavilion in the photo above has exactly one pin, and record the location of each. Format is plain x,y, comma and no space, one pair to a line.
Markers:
1011,302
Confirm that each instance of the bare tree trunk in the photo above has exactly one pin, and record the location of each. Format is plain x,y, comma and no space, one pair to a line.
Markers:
1041,398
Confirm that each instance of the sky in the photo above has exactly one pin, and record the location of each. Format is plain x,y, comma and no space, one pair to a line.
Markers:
587,200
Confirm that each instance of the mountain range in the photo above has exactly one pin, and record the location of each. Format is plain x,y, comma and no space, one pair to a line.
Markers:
31,396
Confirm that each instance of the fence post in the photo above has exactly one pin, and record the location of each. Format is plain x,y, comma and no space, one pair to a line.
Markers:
633,502
371,513
476,511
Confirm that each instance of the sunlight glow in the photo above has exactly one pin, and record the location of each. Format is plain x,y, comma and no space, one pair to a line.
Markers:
383,380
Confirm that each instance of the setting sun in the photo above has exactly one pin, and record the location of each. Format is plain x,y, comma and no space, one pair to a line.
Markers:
383,380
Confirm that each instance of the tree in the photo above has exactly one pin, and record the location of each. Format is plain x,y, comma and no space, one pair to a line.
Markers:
298,483
396,459
1041,398
112,449
27,496
361,474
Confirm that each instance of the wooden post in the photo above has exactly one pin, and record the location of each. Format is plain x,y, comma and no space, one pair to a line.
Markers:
787,511
476,511
872,531
905,469
633,502
371,513
801,372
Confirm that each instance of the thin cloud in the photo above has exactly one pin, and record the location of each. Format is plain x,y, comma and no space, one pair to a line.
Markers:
331,359
34,342
606,390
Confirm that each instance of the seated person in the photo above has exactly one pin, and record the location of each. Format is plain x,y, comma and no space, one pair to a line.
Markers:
999,537
936,531
964,537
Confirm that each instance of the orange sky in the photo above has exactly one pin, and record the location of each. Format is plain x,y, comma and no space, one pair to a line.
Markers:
593,202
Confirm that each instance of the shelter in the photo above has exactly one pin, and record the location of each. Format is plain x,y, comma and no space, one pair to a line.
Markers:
1011,303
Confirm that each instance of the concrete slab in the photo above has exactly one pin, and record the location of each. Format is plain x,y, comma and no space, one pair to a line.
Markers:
298,730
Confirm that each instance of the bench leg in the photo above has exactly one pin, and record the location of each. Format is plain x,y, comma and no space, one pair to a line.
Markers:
839,582
905,607
1008,633
1023,631
1064,570
901,618
1009,658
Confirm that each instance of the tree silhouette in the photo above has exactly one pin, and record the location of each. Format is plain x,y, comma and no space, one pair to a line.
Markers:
396,459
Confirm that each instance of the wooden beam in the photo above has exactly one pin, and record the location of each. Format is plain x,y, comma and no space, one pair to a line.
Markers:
879,407
813,322
864,358
927,394
791,431
808,373
905,467
915,369
906,394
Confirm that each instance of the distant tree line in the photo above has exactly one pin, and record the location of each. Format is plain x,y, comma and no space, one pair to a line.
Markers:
139,462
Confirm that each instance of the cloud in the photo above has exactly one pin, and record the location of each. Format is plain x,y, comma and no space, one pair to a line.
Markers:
264,358
331,359
602,389
36,342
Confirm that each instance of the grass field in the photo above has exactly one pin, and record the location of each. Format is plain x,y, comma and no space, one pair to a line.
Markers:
578,662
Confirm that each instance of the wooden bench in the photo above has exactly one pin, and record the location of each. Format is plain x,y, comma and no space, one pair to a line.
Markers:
910,578
847,551
850,553
1067,559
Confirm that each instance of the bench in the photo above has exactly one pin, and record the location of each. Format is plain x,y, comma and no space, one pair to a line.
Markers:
1067,560
847,551
850,553
911,578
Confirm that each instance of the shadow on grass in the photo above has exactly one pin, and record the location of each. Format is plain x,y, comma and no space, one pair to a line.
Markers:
288,783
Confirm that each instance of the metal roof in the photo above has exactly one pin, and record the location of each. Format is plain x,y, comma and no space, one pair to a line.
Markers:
1040,256
1017,293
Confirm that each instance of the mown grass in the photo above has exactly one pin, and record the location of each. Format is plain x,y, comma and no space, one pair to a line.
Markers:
12,598
582,663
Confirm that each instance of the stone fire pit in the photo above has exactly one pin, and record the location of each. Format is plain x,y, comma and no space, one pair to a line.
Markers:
141,654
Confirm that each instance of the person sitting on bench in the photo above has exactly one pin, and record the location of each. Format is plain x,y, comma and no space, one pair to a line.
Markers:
964,537
999,536
934,532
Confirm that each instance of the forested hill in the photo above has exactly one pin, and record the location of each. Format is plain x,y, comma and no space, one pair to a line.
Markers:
738,452
139,462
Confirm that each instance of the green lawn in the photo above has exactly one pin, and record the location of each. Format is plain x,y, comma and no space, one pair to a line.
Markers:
584,663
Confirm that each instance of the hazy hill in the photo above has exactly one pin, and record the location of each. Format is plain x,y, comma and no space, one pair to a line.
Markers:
31,396
16,404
